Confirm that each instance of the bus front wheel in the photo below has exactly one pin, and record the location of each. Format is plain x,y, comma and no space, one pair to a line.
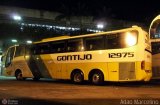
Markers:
77,77
18,75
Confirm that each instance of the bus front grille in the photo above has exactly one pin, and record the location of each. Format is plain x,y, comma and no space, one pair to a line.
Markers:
127,71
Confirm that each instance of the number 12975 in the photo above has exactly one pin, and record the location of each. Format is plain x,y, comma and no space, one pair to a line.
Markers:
121,55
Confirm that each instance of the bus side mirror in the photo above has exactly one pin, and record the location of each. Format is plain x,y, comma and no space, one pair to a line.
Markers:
7,64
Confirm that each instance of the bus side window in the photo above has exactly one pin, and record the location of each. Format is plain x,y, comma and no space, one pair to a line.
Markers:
74,45
35,50
112,41
20,50
57,47
31,50
44,48
94,43
90,47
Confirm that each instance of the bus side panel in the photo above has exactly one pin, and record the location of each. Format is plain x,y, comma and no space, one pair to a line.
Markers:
21,64
85,68
113,71
122,71
52,69
41,66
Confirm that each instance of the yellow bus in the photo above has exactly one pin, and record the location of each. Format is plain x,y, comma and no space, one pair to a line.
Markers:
120,55
154,32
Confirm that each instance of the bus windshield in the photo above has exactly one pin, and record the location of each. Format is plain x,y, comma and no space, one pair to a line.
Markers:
155,28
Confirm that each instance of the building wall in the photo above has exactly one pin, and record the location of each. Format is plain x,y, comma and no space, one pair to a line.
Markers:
28,12
29,27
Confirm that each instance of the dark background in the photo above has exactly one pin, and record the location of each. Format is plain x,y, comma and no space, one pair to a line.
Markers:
130,10
120,11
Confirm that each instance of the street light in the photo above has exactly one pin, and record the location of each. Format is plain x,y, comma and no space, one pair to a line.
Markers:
100,26
17,17
29,41
14,41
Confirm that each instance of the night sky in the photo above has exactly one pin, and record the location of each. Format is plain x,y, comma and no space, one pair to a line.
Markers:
132,10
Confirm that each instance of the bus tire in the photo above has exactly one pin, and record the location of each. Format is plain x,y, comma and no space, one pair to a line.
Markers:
18,75
77,77
97,78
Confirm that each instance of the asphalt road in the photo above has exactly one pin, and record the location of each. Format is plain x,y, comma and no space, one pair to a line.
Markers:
58,92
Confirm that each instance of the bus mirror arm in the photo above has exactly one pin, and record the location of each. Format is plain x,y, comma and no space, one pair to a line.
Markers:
9,64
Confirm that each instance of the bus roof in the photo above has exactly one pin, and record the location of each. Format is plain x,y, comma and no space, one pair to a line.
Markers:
55,38
87,35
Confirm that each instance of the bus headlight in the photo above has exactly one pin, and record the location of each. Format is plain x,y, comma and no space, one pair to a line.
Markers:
131,38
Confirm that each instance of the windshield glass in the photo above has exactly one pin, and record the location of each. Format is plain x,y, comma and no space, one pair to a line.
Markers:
155,30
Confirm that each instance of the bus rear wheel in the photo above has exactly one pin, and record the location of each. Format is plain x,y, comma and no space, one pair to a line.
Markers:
97,78
77,77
